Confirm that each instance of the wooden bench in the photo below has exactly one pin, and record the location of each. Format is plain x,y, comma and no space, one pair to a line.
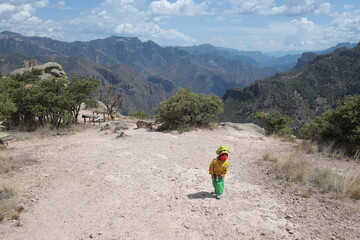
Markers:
92,118
103,114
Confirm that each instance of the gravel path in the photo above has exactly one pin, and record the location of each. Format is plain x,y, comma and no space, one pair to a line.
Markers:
150,185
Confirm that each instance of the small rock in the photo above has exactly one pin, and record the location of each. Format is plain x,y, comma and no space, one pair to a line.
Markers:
91,236
288,216
290,231
20,208
19,224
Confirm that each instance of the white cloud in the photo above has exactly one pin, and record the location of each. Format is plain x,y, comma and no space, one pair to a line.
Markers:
348,6
19,16
178,8
6,8
125,28
346,25
270,7
251,7
323,8
296,34
32,20
14,2
11,14
41,3
303,23
153,31
61,4
104,15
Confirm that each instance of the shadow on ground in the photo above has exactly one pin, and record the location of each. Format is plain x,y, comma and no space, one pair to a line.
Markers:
200,195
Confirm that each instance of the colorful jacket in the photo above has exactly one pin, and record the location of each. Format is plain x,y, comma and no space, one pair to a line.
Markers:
219,168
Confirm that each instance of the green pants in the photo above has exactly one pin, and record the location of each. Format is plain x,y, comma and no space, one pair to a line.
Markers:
218,185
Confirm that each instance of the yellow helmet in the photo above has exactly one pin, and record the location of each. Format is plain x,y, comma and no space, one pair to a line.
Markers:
222,149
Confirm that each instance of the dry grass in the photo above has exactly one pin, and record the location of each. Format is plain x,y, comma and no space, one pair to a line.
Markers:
299,170
307,147
269,157
7,202
8,199
327,150
48,131
6,164
303,192
284,138
341,185
291,169
357,156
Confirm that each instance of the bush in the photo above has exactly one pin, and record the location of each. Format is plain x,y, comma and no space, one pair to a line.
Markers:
274,123
186,110
140,115
341,126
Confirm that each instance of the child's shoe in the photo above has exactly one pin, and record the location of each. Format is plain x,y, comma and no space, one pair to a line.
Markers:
218,196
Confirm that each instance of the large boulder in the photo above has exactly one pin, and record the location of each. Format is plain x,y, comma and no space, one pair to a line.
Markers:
47,70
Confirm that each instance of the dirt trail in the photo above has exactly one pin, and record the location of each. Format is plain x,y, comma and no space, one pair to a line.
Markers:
149,185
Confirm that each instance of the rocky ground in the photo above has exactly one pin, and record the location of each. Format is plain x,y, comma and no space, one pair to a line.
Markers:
153,185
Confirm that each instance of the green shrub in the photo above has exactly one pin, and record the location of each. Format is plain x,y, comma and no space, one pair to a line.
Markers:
140,115
274,123
341,125
186,110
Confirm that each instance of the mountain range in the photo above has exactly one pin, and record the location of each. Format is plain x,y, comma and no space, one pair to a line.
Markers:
145,72
302,94
203,73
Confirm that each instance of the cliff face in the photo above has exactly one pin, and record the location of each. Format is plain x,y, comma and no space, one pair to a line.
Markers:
243,94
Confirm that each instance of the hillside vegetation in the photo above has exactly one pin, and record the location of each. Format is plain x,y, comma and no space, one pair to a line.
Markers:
301,95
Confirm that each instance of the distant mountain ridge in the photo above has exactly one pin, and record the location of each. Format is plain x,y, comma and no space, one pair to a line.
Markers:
281,62
302,94
146,72
213,75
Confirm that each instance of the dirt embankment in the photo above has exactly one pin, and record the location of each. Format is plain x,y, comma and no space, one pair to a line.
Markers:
152,185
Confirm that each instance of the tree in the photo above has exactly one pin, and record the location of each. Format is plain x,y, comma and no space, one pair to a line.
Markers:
274,123
52,100
20,89
186,109
29,101
7,106
111,96
79,91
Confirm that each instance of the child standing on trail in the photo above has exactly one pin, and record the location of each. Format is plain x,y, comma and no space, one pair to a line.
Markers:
218,169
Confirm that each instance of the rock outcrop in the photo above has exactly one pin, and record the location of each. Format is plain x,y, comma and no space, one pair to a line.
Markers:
47,70
243,94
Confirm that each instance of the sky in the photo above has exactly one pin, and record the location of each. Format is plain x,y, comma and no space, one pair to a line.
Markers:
253,25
